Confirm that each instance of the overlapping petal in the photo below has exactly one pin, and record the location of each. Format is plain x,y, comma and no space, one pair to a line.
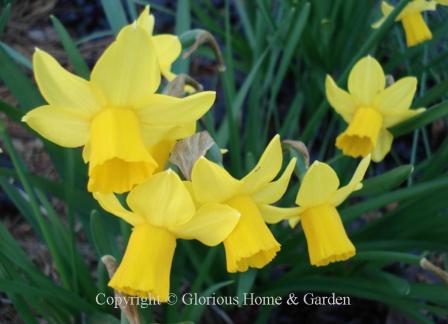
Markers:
355,183
267,167
211,224
128,70
383,145
273,214
64,126
339,99
146,21
396,98
366,80
318,186
398,117
64,89
110,203
212,183
168,48
273,191
163,200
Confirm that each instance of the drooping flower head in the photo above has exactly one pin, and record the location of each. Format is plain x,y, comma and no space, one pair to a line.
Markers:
411,17
318,197
162,210
251,243
370,108
126,129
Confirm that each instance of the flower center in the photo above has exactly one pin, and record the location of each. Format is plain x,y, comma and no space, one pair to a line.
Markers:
251,244
146,265
118,156
325,235
361,135
415,29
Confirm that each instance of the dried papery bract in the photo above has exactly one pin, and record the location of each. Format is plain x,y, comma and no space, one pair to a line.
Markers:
187,151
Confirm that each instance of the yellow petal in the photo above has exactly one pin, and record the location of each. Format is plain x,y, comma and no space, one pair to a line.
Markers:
145,268
251,243
273,191
339,99
294,221
273,214
442,2
386,9
382,146
267,167
163,200
397,97
212,183
211,224
355,183
110,203
63,126
398,117
318,186
62,88
418,6
128,70
161,110
168,48
325,235
146,21
366,80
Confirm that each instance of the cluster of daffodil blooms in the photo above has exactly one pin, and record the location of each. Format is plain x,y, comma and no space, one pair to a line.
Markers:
415,27
127,131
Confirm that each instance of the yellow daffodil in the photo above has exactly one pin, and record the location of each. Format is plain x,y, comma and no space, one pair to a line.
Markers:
318,197
251,243
370,109
168,47
126,129
411,17
162,210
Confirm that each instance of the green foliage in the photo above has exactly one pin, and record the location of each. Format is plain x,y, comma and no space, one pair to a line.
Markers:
277,55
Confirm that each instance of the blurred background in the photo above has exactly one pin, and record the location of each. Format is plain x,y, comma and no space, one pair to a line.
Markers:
277,54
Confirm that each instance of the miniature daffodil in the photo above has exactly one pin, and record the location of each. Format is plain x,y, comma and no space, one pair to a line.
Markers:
161,211
251,243
415,27
126,129
370,108
318,197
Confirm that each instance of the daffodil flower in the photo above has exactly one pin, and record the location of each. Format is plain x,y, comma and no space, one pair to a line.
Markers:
167,46
116,116
411,17
370,109
251,243
318,197
161,211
